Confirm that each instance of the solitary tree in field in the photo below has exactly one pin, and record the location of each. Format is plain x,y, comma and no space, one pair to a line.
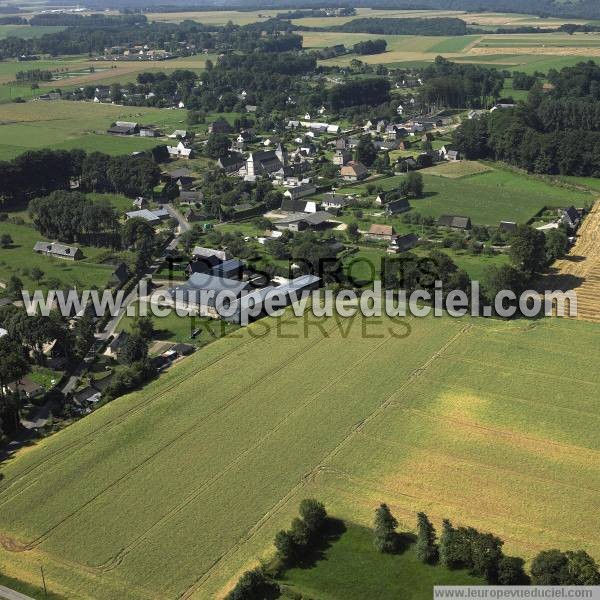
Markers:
386,538
6,241
314,514
426,547
36,274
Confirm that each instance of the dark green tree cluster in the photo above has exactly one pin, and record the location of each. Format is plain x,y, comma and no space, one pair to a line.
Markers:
553,567
360,92
449,84
253,585
384,26
370,47
305,532
386,538
556,131
67,216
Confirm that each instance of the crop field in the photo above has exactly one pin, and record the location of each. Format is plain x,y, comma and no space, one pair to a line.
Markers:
64,124
171,491
580,269
458,169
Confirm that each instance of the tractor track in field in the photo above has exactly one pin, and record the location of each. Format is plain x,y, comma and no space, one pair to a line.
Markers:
197,491
41,538
480,465
80,443
315,471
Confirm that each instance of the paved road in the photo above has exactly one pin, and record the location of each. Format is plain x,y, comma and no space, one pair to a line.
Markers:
9,594
175,214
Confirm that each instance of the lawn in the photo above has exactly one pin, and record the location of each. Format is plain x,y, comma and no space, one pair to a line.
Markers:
27,31
175,489
20,258
68,125
351,569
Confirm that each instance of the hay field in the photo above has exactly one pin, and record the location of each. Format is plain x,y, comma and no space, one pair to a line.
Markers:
64,124
458,169
171,491
580,269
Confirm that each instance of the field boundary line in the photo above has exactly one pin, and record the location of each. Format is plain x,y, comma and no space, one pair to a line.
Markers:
40,539
86,439
321,465
256,445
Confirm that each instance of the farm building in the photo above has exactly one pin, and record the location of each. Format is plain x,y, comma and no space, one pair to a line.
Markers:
26,387
199,293
354,171
454,222
152,216
330,200
300,190
58,250
124,128
149,132
508,227
395,207
380,232
231,164
403,243
229,269
303,221
252,305
291,205
199,251
191,197
570,217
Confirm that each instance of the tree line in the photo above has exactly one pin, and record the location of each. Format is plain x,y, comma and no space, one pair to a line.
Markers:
370,47
40,172
436,26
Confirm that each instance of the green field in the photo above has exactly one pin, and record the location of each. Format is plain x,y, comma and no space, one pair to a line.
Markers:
177,488
488,197
68,125
83,273
27,31
352,569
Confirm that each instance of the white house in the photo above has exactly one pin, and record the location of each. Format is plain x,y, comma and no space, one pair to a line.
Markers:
180,151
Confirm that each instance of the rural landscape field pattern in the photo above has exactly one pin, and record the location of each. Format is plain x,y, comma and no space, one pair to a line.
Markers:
167,492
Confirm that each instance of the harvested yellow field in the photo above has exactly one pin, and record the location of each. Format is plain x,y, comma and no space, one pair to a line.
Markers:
580,270
458,169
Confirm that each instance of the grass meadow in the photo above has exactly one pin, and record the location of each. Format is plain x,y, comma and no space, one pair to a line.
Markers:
68,125
488,197
175,489
352,569
20,258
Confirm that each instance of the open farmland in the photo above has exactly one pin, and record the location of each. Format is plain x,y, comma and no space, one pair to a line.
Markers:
64,124
145,494
487,196
580,269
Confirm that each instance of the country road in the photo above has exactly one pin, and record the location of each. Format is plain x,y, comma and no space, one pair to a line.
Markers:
9,594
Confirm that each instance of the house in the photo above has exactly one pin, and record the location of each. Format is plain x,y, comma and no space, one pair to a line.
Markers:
58,250
192,216
354,171
229,269
508,227
502,107
140,202
396,207
25,387
402,243
331,201
179,134
152,216
183,349
300,190
183,176
302,221
452,155
292,205
113,349
570,217
202,264
200,252
454,222
341,157
250,108
191,197
220,126
380,232
232,163
180,151
429,122
266,163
